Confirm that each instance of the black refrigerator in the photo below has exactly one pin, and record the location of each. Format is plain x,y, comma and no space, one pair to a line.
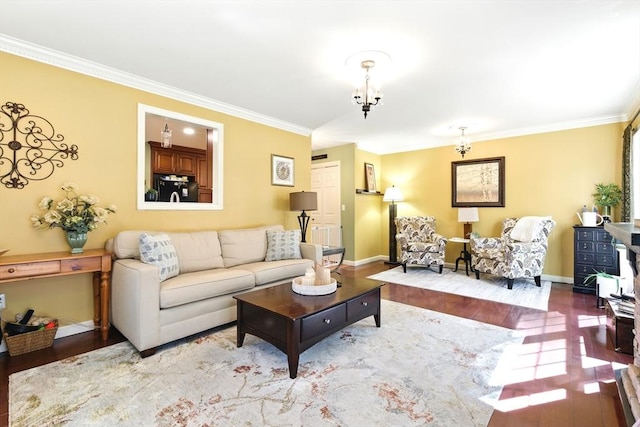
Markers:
176,190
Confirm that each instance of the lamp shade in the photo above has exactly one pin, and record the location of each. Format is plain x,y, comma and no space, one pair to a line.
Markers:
468,215
303,201
393,194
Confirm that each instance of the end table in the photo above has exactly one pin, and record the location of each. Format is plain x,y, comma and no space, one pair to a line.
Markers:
465,255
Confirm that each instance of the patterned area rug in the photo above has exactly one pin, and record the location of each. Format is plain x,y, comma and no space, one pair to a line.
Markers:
420,368
525,293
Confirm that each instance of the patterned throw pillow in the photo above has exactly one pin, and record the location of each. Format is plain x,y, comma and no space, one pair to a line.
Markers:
283,245
159,251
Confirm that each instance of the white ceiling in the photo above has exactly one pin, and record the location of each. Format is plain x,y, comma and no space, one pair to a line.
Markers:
502,68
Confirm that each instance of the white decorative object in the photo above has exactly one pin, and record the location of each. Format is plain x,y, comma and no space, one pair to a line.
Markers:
299,287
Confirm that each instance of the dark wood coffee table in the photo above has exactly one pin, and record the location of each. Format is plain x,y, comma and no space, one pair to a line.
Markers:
293,323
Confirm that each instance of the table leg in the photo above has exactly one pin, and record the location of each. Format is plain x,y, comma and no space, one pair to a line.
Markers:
104,302
293,347
96,299
239,324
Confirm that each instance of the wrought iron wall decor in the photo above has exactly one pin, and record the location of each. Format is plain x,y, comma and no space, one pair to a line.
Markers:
38,152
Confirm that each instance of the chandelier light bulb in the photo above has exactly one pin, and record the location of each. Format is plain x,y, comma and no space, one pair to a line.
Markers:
165,136
367,96
463,146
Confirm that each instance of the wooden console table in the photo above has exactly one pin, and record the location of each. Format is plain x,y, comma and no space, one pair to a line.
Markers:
53,264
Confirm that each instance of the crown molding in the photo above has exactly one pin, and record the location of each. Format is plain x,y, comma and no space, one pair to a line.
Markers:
69,62
555,127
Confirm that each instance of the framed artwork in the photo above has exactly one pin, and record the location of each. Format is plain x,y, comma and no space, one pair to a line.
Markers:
282,171
370,177
478,183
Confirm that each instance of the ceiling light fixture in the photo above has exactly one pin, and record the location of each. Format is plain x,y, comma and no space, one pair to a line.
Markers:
365,95
165,136
463,146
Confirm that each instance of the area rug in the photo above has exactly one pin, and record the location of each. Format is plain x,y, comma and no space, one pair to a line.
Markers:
492,288
419,368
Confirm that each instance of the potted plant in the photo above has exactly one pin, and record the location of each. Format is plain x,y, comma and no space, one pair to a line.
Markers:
607,196
151,195
606,284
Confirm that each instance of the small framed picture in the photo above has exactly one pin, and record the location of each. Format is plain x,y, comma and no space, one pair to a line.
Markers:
370,177
282,170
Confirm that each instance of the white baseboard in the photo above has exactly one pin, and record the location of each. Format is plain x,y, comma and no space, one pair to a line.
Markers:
64,331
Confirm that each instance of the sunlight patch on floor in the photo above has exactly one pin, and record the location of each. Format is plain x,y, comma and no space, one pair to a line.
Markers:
533,399
549,323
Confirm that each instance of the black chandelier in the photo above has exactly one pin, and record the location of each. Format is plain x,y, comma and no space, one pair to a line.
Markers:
365,96
38,152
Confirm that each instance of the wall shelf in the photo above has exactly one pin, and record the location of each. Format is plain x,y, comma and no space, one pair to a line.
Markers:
368,193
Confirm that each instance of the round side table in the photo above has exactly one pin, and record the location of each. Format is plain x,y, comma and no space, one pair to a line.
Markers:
465,255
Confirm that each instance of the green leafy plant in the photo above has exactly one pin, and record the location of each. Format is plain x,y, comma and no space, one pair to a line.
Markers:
607,195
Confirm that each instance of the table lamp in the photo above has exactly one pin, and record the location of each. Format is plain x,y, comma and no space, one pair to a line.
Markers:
303,201
393,194
468,215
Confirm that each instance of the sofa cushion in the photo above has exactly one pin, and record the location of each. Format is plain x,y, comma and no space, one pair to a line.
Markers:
200,285
283,245
126,244
272,271
159,251
245,246
198,250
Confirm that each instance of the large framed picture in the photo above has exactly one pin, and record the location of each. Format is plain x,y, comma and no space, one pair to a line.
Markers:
478,183
370,177
282,170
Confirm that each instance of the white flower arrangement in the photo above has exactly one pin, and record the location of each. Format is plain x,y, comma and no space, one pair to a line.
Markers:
76,212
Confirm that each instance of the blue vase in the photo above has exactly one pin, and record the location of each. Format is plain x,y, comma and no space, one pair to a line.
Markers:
76,241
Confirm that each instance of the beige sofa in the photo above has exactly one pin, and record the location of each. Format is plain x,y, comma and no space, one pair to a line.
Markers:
213,267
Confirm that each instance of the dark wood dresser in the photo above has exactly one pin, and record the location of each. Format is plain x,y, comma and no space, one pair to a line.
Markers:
594,250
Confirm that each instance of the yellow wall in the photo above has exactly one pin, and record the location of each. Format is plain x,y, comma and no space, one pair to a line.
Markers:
546,174
101,118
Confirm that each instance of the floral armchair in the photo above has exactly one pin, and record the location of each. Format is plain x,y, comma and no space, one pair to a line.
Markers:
419,243
514,254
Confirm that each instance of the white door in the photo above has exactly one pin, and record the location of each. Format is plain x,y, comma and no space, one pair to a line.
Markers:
325,222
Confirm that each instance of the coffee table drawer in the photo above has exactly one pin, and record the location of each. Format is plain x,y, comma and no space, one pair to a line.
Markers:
363,306
327,320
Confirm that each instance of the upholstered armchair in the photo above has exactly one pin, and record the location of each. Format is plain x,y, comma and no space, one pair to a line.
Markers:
519,252
418,242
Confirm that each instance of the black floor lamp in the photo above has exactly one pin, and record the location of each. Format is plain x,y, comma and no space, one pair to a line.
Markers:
303,201
393,194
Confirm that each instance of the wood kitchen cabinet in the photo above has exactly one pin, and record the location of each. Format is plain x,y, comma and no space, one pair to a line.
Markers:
175,160
179,160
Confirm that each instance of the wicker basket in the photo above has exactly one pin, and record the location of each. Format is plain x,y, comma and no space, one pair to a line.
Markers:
30,341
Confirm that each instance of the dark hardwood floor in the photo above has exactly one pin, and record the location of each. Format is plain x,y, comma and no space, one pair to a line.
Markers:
563,375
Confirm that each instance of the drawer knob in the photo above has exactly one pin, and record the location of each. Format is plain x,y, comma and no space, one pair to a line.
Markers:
12,270
364,303
584,246
327,321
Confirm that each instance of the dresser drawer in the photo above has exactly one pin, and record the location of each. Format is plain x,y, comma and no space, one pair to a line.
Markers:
81,264
584,246
363,306
325,321
603,236
585,257
588,235
584,269
604,247
604,260
13,271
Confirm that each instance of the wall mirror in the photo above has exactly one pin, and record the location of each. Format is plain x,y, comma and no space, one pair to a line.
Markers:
180,164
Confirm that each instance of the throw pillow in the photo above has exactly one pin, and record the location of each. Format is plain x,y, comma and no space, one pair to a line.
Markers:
157,249
283,245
